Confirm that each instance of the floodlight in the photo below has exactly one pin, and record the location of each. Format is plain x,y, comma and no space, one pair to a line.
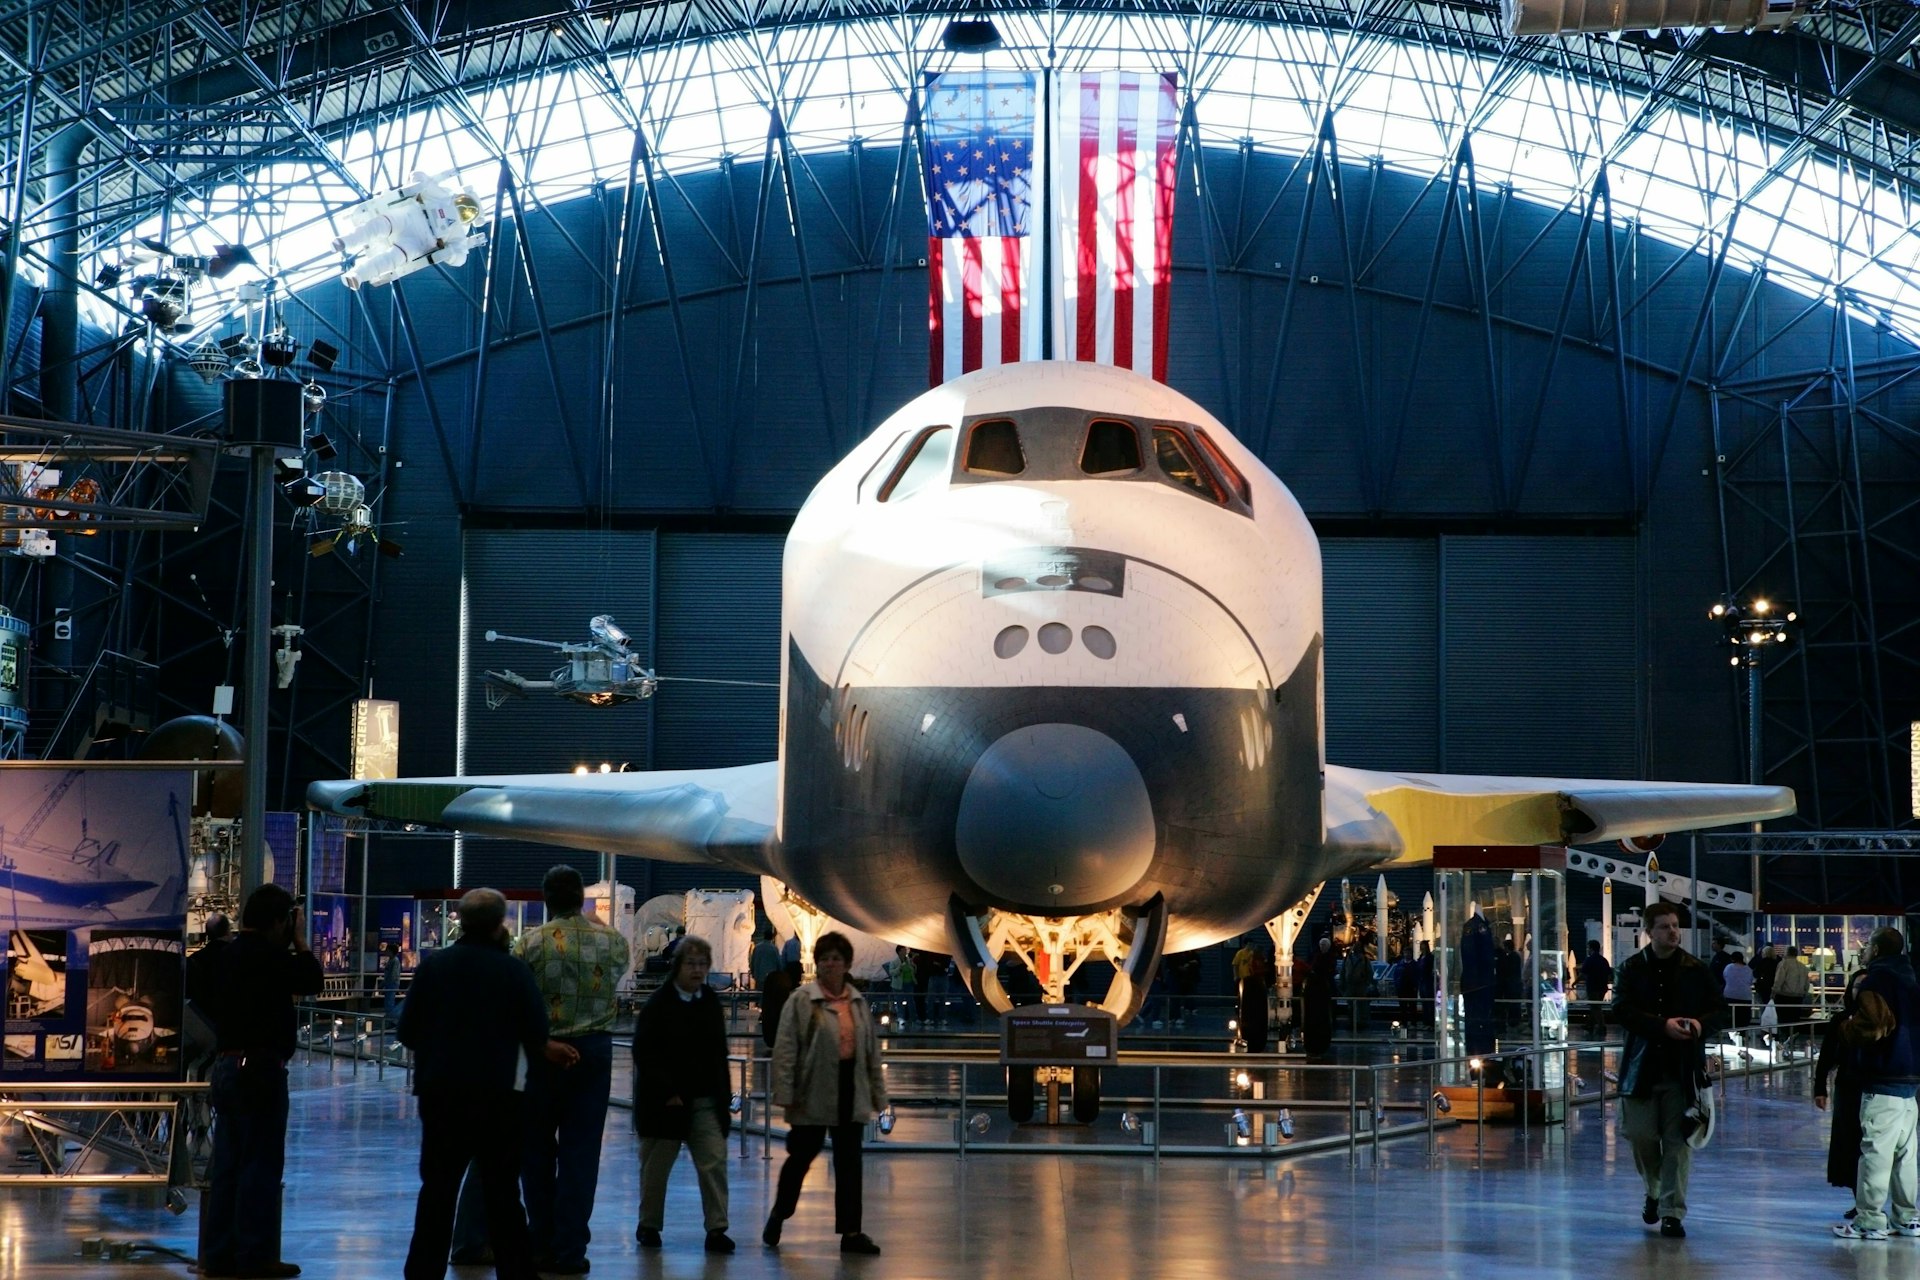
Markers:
1129,1122
971,35
1242,1125
979,1123
304,491
884,1122
1286,1124
1442,1103
321,355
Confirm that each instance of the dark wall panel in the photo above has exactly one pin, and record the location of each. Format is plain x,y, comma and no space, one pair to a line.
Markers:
1382,630
719,619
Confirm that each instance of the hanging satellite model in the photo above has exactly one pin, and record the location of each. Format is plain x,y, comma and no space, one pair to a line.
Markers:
397,233
601,672
343,496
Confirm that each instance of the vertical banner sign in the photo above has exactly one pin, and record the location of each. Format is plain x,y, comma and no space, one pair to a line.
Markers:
1113,180
1913,765
981,147
376,739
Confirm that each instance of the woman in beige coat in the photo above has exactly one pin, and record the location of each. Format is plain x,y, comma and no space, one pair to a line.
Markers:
826,1076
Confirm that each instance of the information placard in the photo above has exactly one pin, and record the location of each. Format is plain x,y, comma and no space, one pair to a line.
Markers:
1058,1035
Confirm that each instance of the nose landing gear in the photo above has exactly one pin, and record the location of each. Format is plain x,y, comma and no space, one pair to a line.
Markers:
1053,948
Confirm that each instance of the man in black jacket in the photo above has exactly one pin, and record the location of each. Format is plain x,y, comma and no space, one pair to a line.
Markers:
1884,1035
250,999
1668,1003
681,1090
474,1020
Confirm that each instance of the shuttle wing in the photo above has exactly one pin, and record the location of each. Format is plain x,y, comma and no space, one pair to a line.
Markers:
715,817
1404,815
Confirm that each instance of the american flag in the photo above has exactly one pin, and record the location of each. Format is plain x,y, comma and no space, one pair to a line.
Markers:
1113,182
982,156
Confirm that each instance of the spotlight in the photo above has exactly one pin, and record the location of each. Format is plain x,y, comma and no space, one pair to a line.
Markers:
734,1103
321,447
971,35
226,257
884,1122
314,396
579,769
208,361
1129,1122
107,277
1242,1125
278,348
980,1123
1286,1124
304,491
321,355
1442,1103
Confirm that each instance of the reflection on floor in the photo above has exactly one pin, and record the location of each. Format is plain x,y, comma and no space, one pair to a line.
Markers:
1560,1201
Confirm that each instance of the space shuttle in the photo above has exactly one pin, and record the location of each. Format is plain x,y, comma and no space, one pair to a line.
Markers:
1051,686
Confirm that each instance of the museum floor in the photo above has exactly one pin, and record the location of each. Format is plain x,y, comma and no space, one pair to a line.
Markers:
1560,1201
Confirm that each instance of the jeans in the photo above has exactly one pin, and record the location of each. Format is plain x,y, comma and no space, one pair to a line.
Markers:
240,1213
1887,1161
566,1115
458,1127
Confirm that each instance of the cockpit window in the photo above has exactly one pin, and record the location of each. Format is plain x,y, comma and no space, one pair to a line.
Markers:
1179,464
1223,466
993,449
881,470
1111,449
926,461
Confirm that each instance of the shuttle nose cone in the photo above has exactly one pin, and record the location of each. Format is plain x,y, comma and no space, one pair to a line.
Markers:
1055,817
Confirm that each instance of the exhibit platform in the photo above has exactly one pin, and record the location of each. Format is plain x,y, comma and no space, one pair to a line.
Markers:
1492,1201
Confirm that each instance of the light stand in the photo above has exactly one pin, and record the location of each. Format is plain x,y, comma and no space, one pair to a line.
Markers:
1753,627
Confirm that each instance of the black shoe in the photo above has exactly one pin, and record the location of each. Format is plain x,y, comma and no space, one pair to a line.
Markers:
648,1238
1848,1215
770,1234
1673,1228
1650,1211
579,1268
719,1242
480,1255
858,1242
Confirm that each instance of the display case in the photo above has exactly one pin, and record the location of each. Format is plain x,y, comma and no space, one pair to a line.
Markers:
436,918
1491,900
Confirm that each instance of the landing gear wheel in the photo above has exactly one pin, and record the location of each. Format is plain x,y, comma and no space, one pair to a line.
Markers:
1020,1094
1086,1094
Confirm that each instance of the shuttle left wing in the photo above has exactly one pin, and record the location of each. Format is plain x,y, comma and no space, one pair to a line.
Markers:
717,817
1427,809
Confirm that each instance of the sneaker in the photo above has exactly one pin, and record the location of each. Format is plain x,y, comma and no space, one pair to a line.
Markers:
1673,1228
1854,1231
1909,1229
648,1238
719,1242
1650,1211
858,1242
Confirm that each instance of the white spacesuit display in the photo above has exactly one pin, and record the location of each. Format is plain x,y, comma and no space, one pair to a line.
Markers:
399,232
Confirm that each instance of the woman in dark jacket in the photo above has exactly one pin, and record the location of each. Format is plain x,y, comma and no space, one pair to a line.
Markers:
681,1089
1843,1141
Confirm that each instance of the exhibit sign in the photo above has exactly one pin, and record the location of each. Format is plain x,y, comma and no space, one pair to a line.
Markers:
330,931
376,739
93,875
1058,1035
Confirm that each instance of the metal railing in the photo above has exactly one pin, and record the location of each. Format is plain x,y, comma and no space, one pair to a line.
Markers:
75,1129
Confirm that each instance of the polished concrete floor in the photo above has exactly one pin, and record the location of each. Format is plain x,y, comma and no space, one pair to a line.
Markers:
1552,1202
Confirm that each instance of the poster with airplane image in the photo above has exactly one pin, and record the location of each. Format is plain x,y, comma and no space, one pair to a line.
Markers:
93,873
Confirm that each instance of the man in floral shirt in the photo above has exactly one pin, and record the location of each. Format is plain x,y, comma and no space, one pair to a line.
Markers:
578,963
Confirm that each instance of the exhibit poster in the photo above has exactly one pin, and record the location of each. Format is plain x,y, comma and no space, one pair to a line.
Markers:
393,921
93,874
329,853
330,931
283,847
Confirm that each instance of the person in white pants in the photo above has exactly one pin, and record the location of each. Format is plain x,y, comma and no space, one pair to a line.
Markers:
1884,1036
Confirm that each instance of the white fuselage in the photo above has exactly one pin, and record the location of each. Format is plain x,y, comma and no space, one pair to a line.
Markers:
1070,618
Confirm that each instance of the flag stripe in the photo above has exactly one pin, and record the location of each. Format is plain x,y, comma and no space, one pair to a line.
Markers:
936,312
970,300
1126,158
1010,318
1166,159
1086,319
